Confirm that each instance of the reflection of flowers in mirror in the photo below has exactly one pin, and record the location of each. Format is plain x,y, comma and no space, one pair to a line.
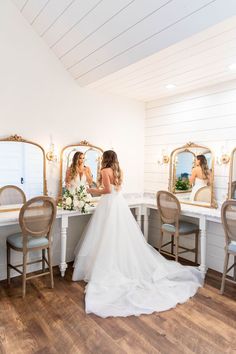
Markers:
182,184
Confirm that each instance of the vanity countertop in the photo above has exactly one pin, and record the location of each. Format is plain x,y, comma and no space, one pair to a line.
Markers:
11,217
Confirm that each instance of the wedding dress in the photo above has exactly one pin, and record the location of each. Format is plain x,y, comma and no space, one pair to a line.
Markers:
199,183
125,275
77,182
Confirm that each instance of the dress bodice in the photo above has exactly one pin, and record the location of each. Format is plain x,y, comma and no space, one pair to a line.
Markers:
78,181
200,182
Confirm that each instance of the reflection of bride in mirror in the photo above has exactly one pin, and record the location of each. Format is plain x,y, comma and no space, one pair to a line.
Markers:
78,174
200,175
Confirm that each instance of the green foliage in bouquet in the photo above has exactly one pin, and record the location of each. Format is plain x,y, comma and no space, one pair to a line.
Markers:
182,185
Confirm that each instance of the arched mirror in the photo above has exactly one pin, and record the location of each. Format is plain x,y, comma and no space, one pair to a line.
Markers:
192,175
91,156
232,176
22,172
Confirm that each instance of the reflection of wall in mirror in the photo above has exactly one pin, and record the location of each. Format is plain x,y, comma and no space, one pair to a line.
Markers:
22,165
184,164
92,160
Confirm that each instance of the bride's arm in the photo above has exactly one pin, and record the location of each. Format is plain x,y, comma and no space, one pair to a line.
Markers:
106,185
193,176
68,178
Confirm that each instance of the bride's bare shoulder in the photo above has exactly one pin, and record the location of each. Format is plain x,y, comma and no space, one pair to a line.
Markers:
107,170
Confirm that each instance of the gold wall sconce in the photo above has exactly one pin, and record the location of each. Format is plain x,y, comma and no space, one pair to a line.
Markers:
51,155
223,159
164,159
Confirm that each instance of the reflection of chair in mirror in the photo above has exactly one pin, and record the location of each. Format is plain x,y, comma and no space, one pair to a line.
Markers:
228,216
36,220
170,209
203,194
11,195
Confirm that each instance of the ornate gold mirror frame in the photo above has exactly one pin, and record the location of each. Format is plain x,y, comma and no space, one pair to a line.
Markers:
172,174
231,186
82,143
18,139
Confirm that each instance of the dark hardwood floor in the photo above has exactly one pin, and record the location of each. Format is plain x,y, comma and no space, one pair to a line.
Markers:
54,321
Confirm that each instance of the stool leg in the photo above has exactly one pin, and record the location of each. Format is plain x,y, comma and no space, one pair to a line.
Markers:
235,268
24,274
8,262
161,241
50,266
172,244
176,248
225,272
43,260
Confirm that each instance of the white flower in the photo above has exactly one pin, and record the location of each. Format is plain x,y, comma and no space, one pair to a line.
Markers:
81,204
76,203
88,198
68,201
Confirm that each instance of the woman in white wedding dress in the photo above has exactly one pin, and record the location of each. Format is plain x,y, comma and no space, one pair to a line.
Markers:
200,175
125,275
78,174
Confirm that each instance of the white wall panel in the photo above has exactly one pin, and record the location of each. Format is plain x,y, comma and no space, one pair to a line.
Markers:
205,117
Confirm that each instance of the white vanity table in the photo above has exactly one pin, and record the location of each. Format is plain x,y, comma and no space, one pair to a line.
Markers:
142,207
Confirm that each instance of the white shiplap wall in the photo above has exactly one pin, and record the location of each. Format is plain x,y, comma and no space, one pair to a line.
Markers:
206,117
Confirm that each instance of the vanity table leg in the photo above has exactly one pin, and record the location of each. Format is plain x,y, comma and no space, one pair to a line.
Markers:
64,226
203,267
146,213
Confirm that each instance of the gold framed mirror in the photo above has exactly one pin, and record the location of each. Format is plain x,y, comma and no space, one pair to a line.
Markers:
232,176
22,172
92,159
192,175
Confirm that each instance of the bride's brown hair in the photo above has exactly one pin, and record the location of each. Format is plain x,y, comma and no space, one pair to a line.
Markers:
110,160
204,166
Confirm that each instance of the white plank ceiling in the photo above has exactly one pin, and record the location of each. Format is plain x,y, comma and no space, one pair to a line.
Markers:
135,48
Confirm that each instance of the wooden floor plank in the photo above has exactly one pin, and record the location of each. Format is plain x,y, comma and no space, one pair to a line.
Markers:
54,321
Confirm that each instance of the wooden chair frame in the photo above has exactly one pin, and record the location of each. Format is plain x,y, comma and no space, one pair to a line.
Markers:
199,191
228,240
11,186
174,242
25,250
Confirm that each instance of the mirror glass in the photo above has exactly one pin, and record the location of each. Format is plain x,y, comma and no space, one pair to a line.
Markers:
232,181
22,164
89,172
191,175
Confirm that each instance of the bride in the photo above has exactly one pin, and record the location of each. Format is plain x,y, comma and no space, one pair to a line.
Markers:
200,175
125,275
78,174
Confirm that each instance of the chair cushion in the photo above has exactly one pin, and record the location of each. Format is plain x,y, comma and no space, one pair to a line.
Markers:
232,247
16,240
184,227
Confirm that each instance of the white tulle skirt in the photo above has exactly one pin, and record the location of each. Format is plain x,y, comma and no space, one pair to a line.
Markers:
125,275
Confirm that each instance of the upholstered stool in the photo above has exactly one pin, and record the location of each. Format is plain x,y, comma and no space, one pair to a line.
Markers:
36,219
169,210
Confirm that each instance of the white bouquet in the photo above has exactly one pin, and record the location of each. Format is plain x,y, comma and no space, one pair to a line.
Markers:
79,199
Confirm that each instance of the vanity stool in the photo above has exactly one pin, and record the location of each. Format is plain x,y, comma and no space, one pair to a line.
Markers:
10,194
169,210
36,219
228,217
